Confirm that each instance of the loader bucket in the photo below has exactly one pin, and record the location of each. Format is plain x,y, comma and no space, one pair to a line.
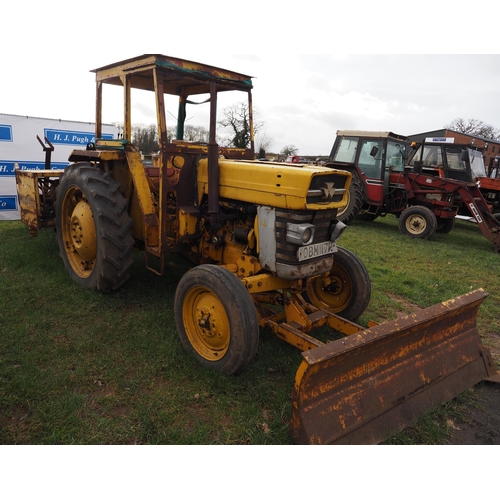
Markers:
365,387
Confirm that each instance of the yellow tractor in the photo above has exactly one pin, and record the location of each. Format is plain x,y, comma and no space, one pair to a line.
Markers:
263,238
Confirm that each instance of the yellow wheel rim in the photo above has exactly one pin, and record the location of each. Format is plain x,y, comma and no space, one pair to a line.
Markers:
331,291
206,323
78,232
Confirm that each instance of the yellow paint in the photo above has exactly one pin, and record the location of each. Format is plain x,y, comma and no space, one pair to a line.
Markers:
268,184
145,198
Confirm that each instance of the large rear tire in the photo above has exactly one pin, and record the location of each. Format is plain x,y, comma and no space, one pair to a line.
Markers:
418,222
216,319
355,201
93,228
345,290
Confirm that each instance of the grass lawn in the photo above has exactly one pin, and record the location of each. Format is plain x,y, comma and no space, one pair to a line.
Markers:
78,367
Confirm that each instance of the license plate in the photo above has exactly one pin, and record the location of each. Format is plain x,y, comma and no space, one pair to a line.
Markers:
316,250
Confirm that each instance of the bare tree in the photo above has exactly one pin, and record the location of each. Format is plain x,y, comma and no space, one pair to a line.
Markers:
197,134
264,142
474,127
236,118
145,137
289,150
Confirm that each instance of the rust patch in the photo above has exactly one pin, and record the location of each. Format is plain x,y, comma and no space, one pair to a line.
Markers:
362,389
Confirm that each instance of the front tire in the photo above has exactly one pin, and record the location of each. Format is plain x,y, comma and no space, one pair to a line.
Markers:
345,290
216,319
418,222
93,228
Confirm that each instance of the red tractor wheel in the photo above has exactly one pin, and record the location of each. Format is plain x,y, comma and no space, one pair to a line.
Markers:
418,222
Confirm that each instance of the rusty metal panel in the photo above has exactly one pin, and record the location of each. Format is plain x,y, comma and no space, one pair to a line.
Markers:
148,209
366,387
29,202
36,194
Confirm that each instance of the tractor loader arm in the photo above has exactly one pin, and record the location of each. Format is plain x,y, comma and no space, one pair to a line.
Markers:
477,206
471,196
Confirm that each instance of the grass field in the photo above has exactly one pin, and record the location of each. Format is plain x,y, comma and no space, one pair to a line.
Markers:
84,368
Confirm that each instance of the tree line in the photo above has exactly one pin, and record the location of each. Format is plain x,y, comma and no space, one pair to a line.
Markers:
474,127
236,120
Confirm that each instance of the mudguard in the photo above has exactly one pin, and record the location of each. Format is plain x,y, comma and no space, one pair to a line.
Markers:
365,387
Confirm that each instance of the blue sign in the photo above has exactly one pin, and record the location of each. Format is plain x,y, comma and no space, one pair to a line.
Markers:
70,138
7,167
6,133
8,202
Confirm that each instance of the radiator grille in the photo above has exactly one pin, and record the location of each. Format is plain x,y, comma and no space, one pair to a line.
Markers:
286,253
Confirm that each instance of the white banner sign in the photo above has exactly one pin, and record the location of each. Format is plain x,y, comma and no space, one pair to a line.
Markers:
450,140
19,144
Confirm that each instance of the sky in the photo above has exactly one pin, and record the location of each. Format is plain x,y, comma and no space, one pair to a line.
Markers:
359,66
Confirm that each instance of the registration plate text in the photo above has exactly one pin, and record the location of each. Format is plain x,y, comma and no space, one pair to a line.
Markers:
316,250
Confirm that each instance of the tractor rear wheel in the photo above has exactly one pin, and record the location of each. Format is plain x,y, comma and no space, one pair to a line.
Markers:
93,228
418,222
345,290
445,226
355,200
216,319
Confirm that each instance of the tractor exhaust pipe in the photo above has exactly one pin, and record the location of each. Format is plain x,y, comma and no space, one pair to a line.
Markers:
213,162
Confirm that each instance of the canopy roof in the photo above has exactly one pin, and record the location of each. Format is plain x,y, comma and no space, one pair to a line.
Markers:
179,76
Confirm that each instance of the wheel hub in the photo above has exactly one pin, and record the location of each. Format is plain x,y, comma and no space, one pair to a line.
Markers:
335,286
82,229
209,333
416,224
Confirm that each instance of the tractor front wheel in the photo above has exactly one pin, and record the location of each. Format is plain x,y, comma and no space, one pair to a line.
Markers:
345,290
418,222
216,319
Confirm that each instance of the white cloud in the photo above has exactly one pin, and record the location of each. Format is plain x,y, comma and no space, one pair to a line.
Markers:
305,88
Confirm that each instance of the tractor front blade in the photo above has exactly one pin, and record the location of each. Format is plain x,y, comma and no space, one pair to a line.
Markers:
365,387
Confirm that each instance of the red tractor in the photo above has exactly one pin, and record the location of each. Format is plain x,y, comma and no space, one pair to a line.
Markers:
382,184
443,157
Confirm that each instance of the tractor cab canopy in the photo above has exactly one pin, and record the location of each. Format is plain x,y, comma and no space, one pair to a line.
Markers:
442,156
169,75
179,76
374,153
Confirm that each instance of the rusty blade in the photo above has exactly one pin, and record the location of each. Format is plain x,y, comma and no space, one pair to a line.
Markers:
366,387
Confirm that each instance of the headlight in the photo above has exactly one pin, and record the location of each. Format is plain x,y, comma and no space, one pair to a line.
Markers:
300,234
337,230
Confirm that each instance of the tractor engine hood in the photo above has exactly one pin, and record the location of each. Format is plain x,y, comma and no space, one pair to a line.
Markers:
303,187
